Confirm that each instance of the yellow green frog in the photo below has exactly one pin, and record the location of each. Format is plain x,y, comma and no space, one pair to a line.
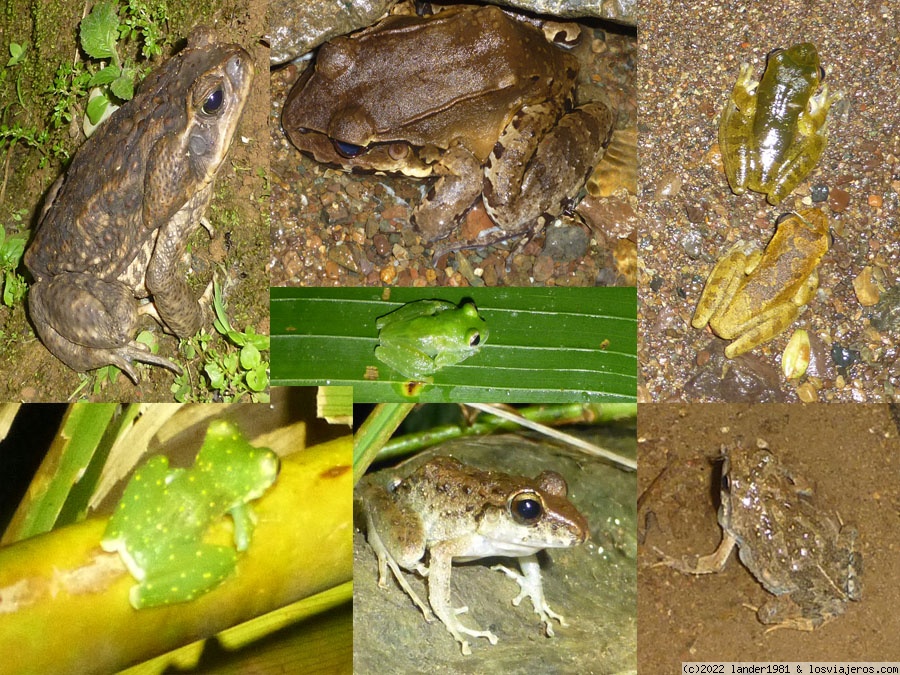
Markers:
753,295
772,132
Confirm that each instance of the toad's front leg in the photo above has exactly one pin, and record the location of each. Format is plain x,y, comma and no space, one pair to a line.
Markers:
180,312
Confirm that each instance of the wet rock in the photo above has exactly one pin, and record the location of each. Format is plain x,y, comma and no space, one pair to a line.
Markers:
566,243
296,28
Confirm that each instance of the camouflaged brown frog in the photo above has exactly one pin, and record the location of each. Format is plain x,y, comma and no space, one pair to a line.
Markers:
799,551
115,226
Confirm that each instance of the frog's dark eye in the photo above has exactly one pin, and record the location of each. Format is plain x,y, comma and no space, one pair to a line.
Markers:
821,74
726,484
526,508
474,339
348,149
213,102
775,51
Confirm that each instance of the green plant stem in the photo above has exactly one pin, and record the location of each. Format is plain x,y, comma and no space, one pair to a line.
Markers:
553,415
374,433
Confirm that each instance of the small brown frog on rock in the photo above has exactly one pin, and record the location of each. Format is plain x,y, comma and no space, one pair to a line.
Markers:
472,96
446,511
115,226
797,551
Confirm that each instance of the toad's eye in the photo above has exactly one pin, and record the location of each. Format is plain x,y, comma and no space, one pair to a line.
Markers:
726,484
348,149
526,508
213,102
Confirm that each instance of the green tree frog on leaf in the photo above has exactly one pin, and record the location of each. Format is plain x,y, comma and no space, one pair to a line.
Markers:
159,524
422,337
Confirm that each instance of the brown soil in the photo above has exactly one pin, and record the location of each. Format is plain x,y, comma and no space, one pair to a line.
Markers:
849,455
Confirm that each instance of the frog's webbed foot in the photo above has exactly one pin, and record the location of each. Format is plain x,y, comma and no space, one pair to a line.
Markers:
531,587
455,627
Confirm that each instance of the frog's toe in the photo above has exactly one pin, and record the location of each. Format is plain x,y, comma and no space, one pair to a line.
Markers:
125,357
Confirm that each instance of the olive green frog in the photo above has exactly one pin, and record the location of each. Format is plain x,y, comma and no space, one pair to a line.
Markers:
446,511
422,337
159,524
471,96
772,132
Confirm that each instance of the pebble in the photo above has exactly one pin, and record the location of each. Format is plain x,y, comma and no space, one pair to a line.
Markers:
669,185
866,289
838,200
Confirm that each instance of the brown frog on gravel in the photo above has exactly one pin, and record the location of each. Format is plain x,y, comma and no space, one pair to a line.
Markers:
115,225
470,95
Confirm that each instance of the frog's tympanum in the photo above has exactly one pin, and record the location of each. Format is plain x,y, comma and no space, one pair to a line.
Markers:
159,524
772,132
797,551
445,511
422,337
115,226
751,295
471,96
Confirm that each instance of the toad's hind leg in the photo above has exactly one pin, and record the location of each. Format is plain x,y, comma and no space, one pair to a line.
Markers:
89,323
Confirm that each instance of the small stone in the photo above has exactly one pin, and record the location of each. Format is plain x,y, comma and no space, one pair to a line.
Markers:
807,393
867,292
382,244
388,274
669,185
838,200
566,243
818,193
795,358
875,201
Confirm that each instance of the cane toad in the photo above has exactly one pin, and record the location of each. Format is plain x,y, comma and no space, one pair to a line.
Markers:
448,511
799,552
115,225
471,96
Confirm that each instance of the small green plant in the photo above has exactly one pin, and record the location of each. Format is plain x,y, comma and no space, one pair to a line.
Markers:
234,373
101,32
12,248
